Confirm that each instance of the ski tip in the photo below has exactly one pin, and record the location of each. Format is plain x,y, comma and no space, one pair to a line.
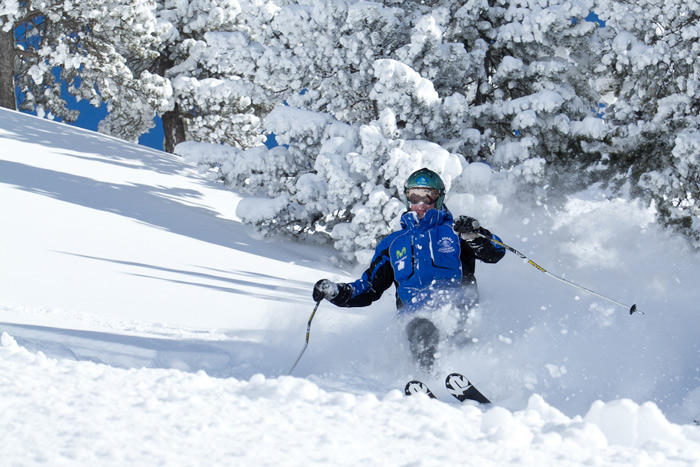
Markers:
418,387
462,389
458,376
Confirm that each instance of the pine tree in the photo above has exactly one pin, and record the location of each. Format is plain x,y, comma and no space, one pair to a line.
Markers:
400,85
84,45
649,71
208,55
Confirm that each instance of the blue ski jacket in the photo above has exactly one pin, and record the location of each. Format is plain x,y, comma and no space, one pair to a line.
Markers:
426,260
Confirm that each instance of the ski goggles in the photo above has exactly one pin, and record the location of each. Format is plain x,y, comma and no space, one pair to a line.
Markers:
422,195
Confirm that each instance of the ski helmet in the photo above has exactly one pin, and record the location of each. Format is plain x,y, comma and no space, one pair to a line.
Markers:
425,178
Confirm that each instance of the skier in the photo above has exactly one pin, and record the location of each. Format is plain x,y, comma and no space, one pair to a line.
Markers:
431,261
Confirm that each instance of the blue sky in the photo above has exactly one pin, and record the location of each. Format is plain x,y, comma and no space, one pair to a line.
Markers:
90,117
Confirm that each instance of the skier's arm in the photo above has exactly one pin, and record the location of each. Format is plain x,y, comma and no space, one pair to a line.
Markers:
370,287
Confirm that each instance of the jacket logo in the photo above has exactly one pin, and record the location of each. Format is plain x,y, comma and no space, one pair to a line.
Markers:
401,253
446,245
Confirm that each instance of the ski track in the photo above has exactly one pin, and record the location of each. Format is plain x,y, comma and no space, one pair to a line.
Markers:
142,324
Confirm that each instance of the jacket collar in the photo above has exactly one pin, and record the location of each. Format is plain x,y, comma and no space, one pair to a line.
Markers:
433,217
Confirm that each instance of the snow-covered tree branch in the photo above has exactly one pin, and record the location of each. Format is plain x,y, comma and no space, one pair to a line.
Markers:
359,94
87,45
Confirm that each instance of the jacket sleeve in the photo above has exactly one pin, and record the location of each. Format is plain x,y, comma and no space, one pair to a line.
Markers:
484,249
370,287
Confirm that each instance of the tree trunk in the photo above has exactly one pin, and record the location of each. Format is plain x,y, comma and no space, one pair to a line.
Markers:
7,69
174,130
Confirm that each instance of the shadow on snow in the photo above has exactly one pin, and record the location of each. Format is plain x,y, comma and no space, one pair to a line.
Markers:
239,356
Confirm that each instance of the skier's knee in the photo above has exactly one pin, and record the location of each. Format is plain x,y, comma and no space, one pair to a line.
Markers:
423,337
422,330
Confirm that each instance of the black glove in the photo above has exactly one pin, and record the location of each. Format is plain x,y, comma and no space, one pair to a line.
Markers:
325,289
467,227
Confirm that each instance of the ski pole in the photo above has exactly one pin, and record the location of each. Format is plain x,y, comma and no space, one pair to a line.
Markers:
308,332
631,309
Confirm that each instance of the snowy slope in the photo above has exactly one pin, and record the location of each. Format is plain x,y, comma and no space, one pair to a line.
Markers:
143,324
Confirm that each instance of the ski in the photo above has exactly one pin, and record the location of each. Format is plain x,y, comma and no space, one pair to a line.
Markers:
461,388
417,387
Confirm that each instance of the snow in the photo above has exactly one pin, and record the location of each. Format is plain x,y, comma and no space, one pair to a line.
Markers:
142,324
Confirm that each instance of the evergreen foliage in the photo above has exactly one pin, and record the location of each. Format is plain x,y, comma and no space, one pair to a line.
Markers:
88,44
361,94
650,73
